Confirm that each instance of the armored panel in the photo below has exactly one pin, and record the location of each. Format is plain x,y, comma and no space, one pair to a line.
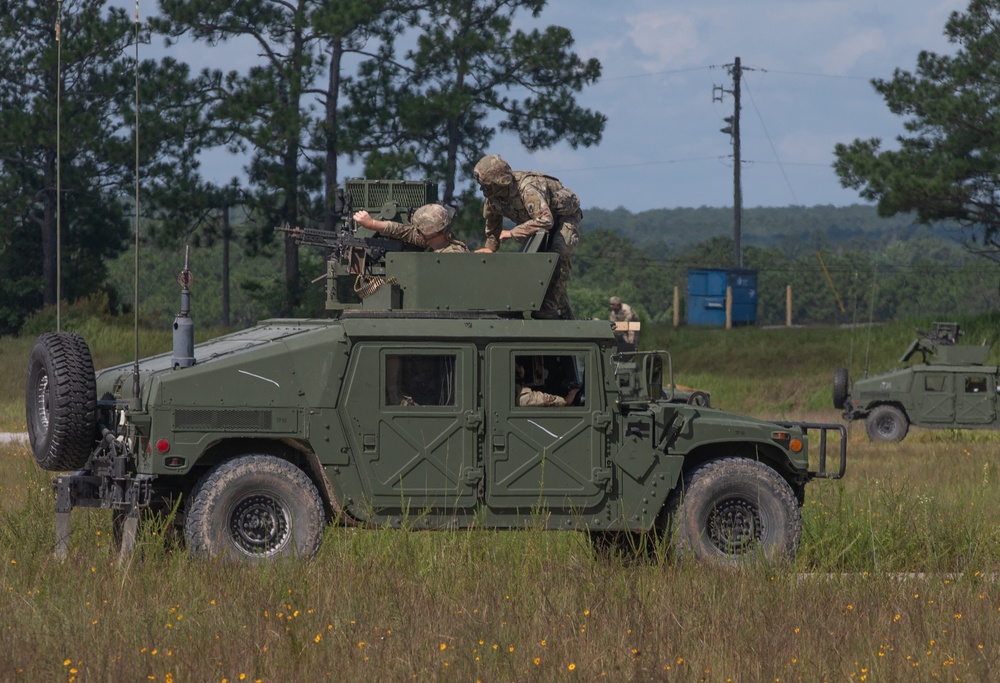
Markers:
959,355
470,282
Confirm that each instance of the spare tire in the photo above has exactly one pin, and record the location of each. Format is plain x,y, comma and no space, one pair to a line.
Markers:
700,398
839,387
61,401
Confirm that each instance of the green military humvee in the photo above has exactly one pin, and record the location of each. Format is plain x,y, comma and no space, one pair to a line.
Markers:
948,388
401,411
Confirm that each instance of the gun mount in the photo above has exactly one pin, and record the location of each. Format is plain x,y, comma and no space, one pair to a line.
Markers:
369,272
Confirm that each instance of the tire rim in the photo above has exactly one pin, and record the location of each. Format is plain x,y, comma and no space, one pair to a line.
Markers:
259,525
886,426
42,402
735,526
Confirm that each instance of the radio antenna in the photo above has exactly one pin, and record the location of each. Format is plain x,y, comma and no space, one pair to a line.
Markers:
59,167
135,306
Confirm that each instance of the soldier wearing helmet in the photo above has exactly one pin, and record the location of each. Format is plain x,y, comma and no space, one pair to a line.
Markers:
429,227
623,313
534,202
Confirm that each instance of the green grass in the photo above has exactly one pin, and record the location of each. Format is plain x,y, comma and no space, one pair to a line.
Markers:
896,578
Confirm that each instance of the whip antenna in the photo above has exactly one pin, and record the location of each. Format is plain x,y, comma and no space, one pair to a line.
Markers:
135,306
871,314
59,167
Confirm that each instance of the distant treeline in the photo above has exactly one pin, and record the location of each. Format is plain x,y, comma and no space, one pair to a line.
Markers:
875,268
794,229
879,269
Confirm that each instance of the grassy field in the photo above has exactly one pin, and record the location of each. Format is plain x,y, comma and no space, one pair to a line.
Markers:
896,578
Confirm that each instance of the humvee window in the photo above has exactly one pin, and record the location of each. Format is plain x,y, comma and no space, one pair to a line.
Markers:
419,380
975,384
549,374
935,383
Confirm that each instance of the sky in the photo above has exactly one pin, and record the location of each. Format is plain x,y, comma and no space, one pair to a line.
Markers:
807,70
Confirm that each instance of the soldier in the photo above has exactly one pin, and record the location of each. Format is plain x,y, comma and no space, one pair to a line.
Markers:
535,202
526,396
429,228
623,313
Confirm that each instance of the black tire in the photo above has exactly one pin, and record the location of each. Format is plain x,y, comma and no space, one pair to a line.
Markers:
254,508
61,401
735,510
886,423
839,388
700,398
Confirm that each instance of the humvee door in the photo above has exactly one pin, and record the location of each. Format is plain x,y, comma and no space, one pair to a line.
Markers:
412,422
976,398
935,397
545,457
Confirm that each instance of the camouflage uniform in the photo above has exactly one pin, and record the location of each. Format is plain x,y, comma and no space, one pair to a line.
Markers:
526,396
427,221
624,314
535,202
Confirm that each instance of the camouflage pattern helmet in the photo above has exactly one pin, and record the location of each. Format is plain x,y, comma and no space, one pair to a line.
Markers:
431,219
493,170
614,301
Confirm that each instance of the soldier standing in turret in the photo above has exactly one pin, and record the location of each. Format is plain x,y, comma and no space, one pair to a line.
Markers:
430,227
535,202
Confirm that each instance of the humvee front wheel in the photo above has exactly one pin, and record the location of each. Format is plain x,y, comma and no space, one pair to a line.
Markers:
733,510
61,401
886,423
253,508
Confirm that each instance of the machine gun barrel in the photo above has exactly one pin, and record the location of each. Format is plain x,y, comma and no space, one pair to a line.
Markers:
339,242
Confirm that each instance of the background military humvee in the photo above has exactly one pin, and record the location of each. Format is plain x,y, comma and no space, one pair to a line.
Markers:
948,387
402,411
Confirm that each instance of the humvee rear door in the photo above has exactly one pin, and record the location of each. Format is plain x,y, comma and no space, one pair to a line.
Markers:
976,400
545,457
412,421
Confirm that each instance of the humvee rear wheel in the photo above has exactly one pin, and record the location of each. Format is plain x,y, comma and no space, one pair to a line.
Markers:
733,510
253,508
61,401
886,423
839,387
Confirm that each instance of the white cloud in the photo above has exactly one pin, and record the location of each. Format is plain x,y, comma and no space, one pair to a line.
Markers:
848,52
664,38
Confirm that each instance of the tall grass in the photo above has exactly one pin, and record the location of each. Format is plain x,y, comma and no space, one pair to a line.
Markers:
896,577
895,580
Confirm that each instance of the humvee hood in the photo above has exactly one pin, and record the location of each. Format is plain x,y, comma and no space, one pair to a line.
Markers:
236,347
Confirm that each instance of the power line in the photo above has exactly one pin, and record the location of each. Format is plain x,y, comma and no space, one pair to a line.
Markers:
771,143
815,75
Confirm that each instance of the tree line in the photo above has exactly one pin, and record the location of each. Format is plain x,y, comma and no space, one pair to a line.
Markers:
888,275
418,89
84,119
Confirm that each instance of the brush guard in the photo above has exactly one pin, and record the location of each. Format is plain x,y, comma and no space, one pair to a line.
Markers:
824,429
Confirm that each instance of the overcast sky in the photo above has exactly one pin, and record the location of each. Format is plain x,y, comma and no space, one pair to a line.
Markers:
806,86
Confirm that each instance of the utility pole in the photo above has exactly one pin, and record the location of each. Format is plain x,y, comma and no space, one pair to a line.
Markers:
733,130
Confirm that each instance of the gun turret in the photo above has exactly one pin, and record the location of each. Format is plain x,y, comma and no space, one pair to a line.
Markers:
367,271
356,256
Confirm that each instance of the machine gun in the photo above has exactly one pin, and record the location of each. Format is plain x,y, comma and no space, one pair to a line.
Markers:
356,262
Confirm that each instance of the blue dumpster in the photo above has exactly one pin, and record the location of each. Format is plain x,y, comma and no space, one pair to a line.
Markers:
706,296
